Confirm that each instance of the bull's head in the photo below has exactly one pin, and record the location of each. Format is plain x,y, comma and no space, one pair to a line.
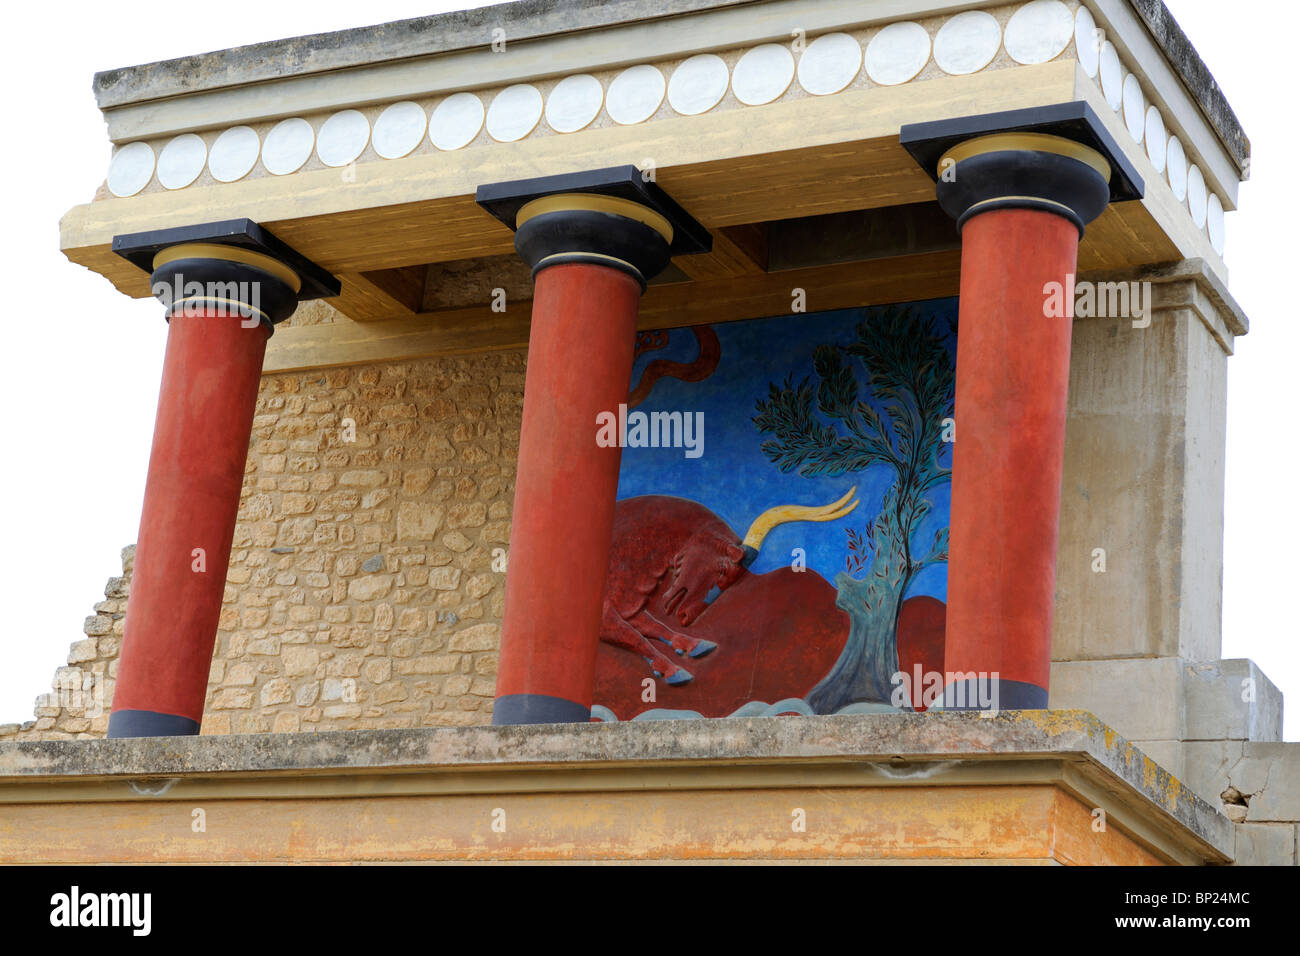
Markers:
709,563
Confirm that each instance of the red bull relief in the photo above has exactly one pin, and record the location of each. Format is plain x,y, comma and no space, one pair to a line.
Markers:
780,537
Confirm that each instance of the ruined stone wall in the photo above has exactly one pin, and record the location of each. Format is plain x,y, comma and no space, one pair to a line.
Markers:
365,586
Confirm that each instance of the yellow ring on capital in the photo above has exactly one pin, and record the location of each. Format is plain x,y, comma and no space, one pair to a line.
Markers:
571,202
213,250
1036,142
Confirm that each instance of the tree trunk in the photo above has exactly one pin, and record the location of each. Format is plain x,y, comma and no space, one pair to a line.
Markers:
869,660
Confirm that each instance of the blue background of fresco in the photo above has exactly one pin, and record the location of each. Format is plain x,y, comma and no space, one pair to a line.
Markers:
734,478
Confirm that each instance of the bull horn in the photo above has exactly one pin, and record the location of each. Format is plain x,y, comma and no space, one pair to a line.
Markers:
781,514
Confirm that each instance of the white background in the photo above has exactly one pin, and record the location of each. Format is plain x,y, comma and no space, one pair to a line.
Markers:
81,362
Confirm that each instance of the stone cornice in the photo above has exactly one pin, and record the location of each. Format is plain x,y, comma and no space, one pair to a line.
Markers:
525,21
1196,76
1188,284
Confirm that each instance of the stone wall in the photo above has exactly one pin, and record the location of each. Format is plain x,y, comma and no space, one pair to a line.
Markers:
365,586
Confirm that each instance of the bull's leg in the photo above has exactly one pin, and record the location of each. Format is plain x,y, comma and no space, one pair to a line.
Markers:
651,626
615,630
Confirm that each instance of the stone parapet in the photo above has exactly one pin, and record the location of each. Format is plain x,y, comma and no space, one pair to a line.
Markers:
1032,786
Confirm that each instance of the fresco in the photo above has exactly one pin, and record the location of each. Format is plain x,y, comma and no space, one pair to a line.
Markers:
781,532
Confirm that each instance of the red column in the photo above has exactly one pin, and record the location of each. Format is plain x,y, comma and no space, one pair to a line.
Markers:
1022,185
1013,367
593,239
580,352
211,371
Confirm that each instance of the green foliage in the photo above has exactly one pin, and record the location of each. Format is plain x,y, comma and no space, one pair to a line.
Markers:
830,429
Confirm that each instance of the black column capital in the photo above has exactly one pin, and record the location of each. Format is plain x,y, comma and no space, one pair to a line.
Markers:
1059,159
233,264
611,217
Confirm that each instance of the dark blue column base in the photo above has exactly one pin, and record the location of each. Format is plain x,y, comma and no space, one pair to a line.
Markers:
537,709
994,693
147,723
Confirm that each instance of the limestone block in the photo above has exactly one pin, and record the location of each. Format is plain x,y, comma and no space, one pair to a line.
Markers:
370,587
277,691
241,673
1231,700
1265,844
378,671
1141,698
300,661
456,686
335,688
445,579
1206,765
232,698
418,521
266,646
98,625
480,637
1270,773
82,651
